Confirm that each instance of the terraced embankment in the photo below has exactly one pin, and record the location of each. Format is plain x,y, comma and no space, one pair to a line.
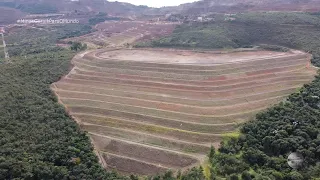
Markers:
148,111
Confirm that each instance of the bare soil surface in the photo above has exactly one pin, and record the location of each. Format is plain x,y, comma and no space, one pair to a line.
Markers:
150,110
189,57
120,33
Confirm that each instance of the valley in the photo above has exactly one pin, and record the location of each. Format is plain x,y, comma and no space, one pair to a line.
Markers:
208,90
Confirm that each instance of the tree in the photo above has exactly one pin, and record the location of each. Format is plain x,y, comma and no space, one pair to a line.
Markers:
233,177
254,156
194,174
133,177
76,46
246,175
84,47
261,177
179,175
315,171
211,154
168,176
294,176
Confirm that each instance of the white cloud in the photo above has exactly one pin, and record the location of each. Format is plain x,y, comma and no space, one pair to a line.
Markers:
156,3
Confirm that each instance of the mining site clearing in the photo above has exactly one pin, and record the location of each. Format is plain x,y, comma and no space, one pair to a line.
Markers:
151,110
121,33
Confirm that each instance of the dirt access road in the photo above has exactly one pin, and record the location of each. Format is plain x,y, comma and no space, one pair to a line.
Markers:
122,33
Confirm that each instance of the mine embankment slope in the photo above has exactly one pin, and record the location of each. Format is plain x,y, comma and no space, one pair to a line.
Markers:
148,111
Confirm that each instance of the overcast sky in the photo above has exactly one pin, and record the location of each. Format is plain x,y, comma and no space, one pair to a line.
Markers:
156,3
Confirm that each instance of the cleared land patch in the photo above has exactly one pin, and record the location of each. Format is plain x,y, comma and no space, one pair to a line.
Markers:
148,110
120,33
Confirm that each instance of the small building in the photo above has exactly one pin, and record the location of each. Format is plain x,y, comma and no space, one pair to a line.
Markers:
200,19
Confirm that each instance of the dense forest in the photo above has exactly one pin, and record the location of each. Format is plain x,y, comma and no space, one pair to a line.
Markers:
40,141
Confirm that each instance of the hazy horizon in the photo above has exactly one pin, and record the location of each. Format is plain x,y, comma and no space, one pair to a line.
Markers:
156,3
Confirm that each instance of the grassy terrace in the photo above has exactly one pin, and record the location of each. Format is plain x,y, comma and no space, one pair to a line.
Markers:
178,108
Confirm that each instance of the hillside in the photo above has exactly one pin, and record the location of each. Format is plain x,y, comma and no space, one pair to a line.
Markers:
9,15
171,106
209,6
40,140
17,7
53,6
207,103
12,10
292,125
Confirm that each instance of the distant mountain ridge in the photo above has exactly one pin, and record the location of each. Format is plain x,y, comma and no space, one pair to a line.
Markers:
52,6
207,6
198,7
19,7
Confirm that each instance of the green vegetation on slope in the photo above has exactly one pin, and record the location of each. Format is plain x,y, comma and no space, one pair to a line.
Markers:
40,141
38,138
295,30
33,8
37,8
101,17
33,41
261,151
